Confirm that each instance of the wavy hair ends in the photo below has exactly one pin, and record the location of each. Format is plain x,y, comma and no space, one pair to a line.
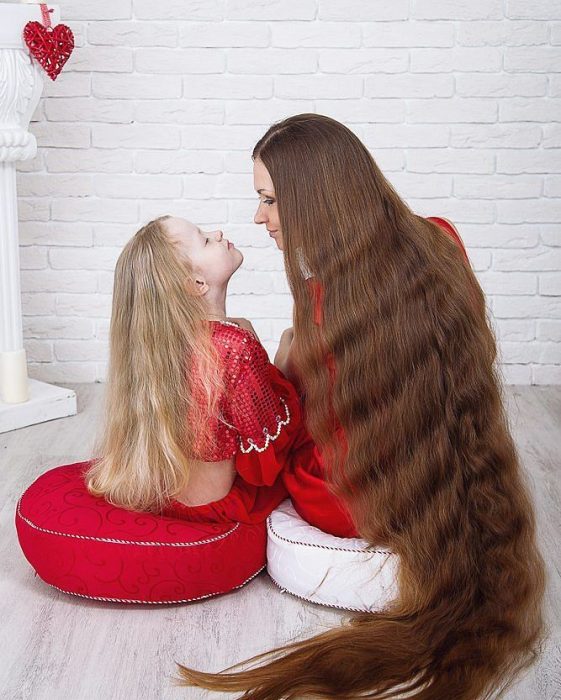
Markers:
164,377
429,468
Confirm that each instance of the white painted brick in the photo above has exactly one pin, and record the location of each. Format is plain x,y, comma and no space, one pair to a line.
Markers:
408,34
457,109
235,186
134,136
38,350
552,186
227,87
415,185
96,259
527,307
358,10
412,136
177,162
516,374
260,10
83,305
32,165
136,186
224,34
500,236
89,110
33,257
33,209
552,133
38,304
65,372
459,211
551,235
529,162
67,85
516,329
135,87
179,111
555,27
353,61
54,281
315,34
200,211
105,280
93,209
179,9
111,234
497,186
361,110
500,85
443,160
520,109
459,59
180,61
501,33
279,61
244,112
200,186
550,283
513,211
132,33
331,87
549,330
100,10
80,350
480,260
495,136
61,135
47,233
102,327
238,162
101,59
537,259
49,185
63,160
546,374
407,86
457,9
53,327
508,282
538,59
101,372
221,137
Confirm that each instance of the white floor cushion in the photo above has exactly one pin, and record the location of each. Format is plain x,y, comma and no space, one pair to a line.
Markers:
319,567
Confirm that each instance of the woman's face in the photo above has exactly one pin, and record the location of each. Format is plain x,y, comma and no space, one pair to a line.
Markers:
213,257
267,212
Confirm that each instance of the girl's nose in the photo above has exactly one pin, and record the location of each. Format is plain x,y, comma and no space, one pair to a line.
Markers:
220,234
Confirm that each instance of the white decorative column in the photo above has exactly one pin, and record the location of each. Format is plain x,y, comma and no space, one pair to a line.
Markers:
23,401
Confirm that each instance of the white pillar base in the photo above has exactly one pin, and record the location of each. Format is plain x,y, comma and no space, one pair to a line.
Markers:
13,377
46,402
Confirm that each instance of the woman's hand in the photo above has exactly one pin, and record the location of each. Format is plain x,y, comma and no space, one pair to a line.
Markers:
244,323
282,356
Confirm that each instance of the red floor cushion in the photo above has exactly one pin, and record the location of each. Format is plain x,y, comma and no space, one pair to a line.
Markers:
83,545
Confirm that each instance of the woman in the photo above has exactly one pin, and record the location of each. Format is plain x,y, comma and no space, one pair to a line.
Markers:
198,423
413,434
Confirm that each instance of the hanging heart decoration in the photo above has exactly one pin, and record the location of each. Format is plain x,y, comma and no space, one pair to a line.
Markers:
51,46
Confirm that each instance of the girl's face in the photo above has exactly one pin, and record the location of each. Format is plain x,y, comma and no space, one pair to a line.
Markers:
267,212
213,257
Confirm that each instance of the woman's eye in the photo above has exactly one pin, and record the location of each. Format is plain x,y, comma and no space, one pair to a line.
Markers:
269,201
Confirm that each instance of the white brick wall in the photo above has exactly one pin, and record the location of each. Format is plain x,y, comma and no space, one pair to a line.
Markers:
161,103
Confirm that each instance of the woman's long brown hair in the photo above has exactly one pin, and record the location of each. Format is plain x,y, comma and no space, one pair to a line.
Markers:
431,469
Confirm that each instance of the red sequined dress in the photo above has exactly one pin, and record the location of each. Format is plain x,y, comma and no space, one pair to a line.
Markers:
304,475
259,424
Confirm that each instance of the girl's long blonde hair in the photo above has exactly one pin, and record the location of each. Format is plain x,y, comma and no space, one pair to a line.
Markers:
431,469
164,376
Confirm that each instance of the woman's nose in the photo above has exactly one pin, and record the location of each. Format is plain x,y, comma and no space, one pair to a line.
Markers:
259,218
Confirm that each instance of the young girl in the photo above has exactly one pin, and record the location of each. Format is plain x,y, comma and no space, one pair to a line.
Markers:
198,422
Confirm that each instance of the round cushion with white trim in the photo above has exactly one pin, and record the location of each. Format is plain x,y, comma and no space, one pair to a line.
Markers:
342,572
83,545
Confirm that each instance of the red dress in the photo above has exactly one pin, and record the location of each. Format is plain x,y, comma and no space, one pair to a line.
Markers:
304,475
260,423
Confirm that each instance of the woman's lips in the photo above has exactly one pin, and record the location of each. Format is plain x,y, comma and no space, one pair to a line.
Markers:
272,233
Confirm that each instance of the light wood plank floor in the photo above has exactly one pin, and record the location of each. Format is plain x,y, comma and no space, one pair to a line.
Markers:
54,646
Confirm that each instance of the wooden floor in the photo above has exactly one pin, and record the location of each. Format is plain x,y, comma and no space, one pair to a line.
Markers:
57,647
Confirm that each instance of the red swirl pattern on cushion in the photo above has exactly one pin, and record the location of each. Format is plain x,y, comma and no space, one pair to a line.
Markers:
82,544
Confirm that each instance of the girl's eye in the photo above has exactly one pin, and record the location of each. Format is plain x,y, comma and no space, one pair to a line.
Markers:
206,241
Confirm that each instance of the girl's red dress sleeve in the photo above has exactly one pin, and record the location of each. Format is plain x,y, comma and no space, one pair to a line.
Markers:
265,410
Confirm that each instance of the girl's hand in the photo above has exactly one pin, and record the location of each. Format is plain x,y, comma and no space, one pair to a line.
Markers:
282,356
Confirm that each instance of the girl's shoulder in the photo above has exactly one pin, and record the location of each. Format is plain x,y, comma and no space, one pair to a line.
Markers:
237,338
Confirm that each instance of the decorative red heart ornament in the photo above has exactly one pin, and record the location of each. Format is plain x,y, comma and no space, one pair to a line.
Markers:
51,46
